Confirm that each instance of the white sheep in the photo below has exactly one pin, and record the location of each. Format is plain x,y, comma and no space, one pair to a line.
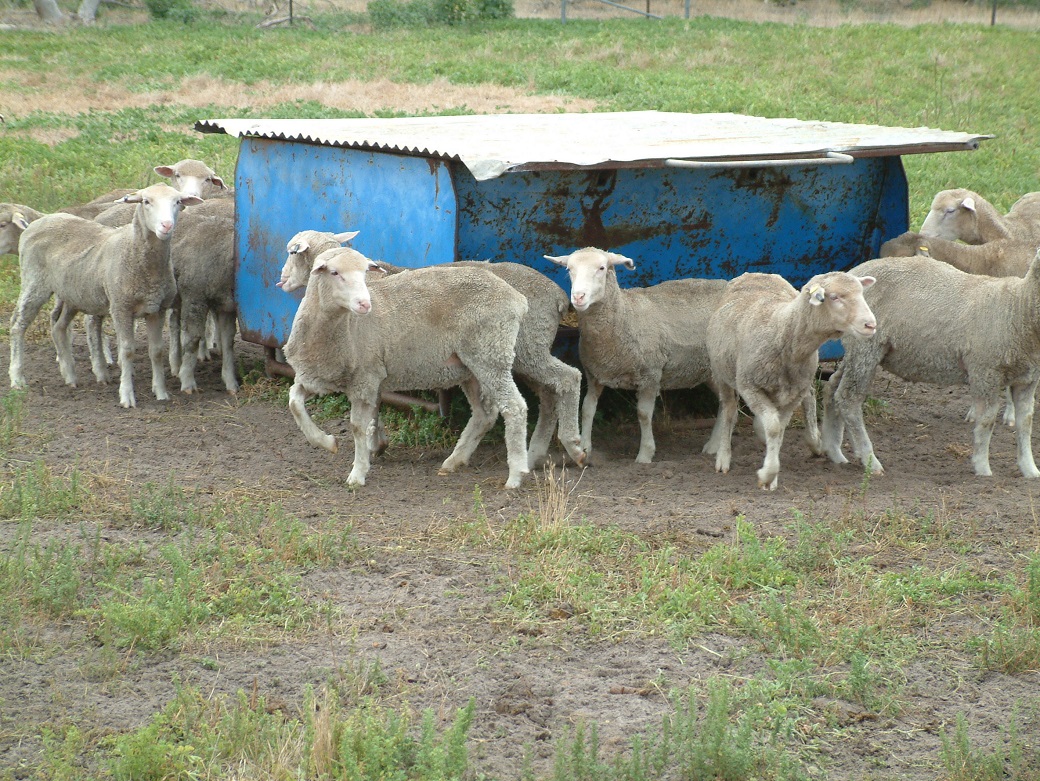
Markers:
942,326
557,384
203,257
14,218
763,342
427,329
646,339
997,258
191,177
125,272
965,215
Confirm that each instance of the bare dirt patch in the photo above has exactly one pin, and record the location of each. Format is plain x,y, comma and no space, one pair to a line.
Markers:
423,608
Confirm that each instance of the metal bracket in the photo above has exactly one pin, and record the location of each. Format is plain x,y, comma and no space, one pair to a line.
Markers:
829,158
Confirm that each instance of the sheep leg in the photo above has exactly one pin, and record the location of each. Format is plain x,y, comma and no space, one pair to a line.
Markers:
646,397
514,411
30,301
1009,409
833,427
298,396
1024,397
480,421
848,400
568,398
986,409
175,337
712,445
771,424
192,319
156,348
123,322
727,421
225,326
812,424
541,437
62,338
100,356
362,425
588,412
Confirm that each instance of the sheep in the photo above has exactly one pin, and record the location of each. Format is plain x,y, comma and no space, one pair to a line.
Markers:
997,258
763,344
191,177
14,218
647,339
557,384
966,216
427,329
204,266
125,272
930,315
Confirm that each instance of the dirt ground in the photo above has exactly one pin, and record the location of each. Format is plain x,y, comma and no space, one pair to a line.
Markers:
422,611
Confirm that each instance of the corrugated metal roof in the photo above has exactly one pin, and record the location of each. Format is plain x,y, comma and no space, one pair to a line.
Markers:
492,144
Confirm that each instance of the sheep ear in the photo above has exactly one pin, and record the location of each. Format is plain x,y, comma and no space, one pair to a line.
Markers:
816,294
373,266
867,281
320,268
216,181
343,238
620,260
559,260
129,198
298,247
969,203
190,200
19,219
164,170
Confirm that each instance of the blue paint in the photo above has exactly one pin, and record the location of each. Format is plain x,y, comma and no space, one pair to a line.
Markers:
794,221
404,208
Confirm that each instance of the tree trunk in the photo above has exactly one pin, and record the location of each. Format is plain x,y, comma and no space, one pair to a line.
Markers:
88,11
48,11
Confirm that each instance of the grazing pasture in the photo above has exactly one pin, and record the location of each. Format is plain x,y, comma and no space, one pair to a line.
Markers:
188,589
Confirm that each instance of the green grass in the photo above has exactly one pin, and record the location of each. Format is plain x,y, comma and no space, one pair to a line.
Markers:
882,74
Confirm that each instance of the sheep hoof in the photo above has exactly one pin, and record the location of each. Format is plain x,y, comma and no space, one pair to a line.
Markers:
333,447
583,459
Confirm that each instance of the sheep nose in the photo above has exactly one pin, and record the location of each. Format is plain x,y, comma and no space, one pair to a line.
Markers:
363,306
578,299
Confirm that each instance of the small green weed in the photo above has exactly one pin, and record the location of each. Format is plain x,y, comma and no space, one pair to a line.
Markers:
1010,760
36,493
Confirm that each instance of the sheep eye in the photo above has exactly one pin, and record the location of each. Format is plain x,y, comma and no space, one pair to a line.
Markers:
334,273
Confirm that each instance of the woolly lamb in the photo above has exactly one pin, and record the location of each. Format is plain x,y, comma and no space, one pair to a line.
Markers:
998,258
763,343
557,384
191,177
427,329
204,266
966,216
125,272
930,315
644,339
14,218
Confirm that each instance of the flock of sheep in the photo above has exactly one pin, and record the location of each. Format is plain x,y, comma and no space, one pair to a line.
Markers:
957,303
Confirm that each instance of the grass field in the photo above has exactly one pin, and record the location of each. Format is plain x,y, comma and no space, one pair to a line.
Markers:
87,110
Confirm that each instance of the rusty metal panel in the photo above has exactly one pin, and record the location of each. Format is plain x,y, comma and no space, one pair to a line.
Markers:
717,223
403,206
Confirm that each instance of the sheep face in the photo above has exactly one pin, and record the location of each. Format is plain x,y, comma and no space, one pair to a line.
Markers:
953,216
12,223
300,252
841,297
588,269
191,177
342,274
159,206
